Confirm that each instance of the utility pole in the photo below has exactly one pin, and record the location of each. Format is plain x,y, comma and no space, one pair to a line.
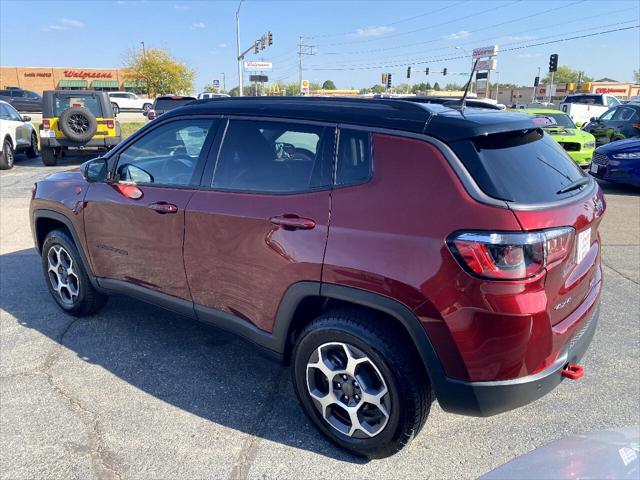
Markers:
497,84
238,45
302,51
224,82
144,59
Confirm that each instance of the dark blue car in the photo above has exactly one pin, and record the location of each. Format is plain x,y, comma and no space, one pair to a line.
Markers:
618,162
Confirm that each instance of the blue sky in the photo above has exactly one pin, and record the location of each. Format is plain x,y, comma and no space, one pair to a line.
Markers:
354,42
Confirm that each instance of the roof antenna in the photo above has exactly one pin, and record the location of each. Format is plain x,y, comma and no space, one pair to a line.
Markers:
466,89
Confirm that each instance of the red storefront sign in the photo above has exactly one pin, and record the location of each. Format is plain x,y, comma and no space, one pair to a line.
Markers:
610,90
86,74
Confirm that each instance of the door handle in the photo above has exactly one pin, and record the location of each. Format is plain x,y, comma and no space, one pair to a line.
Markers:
163,207
293,222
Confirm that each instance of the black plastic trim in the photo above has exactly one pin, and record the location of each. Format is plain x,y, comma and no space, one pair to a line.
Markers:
59,217
483,399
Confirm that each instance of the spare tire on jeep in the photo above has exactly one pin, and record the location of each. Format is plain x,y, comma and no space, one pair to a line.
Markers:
78,124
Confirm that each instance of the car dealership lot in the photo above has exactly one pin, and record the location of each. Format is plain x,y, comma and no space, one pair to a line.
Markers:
138,392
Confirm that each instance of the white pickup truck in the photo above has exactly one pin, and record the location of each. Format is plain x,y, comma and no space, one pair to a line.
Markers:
582,107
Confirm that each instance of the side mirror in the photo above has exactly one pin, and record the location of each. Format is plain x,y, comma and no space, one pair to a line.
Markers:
593,119
95,170
26,118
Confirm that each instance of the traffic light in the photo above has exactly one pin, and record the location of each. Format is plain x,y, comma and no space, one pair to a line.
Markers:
388,80
269,38
426,71
262,42
444,72
384,79
536,81
408,72
256,47
553,63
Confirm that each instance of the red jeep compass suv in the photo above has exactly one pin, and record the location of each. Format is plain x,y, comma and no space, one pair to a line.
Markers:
392,251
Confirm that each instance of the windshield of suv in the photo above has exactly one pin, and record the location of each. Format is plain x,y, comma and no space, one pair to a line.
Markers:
90,102
525,166
586,99
168,103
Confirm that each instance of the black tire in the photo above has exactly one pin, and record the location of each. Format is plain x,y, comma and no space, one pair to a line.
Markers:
49,156
88,299
400,367
7,155
78,124
146,107
32,151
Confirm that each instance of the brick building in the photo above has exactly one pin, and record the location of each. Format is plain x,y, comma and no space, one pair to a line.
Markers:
39,79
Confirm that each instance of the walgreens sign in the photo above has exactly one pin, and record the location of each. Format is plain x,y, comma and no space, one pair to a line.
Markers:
86,74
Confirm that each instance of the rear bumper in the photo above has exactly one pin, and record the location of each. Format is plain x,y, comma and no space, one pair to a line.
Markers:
99,142
483,399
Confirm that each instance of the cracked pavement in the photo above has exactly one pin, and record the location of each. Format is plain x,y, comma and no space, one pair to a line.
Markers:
137,392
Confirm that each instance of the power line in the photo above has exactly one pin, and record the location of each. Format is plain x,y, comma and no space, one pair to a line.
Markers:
430,27
468,56
502,45
326,35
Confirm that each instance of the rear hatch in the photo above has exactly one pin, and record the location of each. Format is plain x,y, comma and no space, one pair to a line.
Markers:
546,191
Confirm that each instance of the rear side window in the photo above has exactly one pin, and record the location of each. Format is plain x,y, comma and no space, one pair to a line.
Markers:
354,157
525,166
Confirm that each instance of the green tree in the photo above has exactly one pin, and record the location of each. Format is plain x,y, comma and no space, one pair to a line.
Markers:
427,86
364,91
420,87
328,85
566,75
636,76
436,87
159,71
378,89
453,87
402,88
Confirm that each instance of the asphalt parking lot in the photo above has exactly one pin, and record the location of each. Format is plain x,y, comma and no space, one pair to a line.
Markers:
136,392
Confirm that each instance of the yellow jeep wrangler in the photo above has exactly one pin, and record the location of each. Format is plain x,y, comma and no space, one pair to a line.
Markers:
77,119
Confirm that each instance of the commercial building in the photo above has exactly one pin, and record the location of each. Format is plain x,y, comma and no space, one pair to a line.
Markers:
524,95
38,79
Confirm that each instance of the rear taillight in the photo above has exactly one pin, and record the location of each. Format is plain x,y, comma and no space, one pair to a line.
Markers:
46,123
110,124
510,255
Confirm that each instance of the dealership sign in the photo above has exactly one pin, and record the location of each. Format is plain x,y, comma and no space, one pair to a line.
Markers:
485,51
483,65
86,74
258,65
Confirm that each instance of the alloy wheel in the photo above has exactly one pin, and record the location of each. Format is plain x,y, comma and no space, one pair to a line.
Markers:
79,123
62,274
348,390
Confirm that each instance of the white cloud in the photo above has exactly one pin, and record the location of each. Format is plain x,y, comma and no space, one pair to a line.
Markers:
458,35
197,25
222,45
374,31
182,7
71,23
518,38
529,55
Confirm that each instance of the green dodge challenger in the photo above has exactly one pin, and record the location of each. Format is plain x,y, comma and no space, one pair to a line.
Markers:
578,144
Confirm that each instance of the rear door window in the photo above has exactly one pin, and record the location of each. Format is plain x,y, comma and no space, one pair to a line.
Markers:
525,166
585,99
273,157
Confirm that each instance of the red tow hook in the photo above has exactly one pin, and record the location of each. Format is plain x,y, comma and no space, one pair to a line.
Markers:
573,371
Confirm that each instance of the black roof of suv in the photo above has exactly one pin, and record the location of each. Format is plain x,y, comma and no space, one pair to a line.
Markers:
440,121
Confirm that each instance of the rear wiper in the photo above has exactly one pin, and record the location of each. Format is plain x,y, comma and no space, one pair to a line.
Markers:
574,185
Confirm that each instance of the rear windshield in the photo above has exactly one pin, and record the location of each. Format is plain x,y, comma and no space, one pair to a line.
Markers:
561,119
525,166
90,102
586,99
166,104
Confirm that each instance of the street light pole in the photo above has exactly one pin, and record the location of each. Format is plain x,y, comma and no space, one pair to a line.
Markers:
224,82
497,83
238,44
144,59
